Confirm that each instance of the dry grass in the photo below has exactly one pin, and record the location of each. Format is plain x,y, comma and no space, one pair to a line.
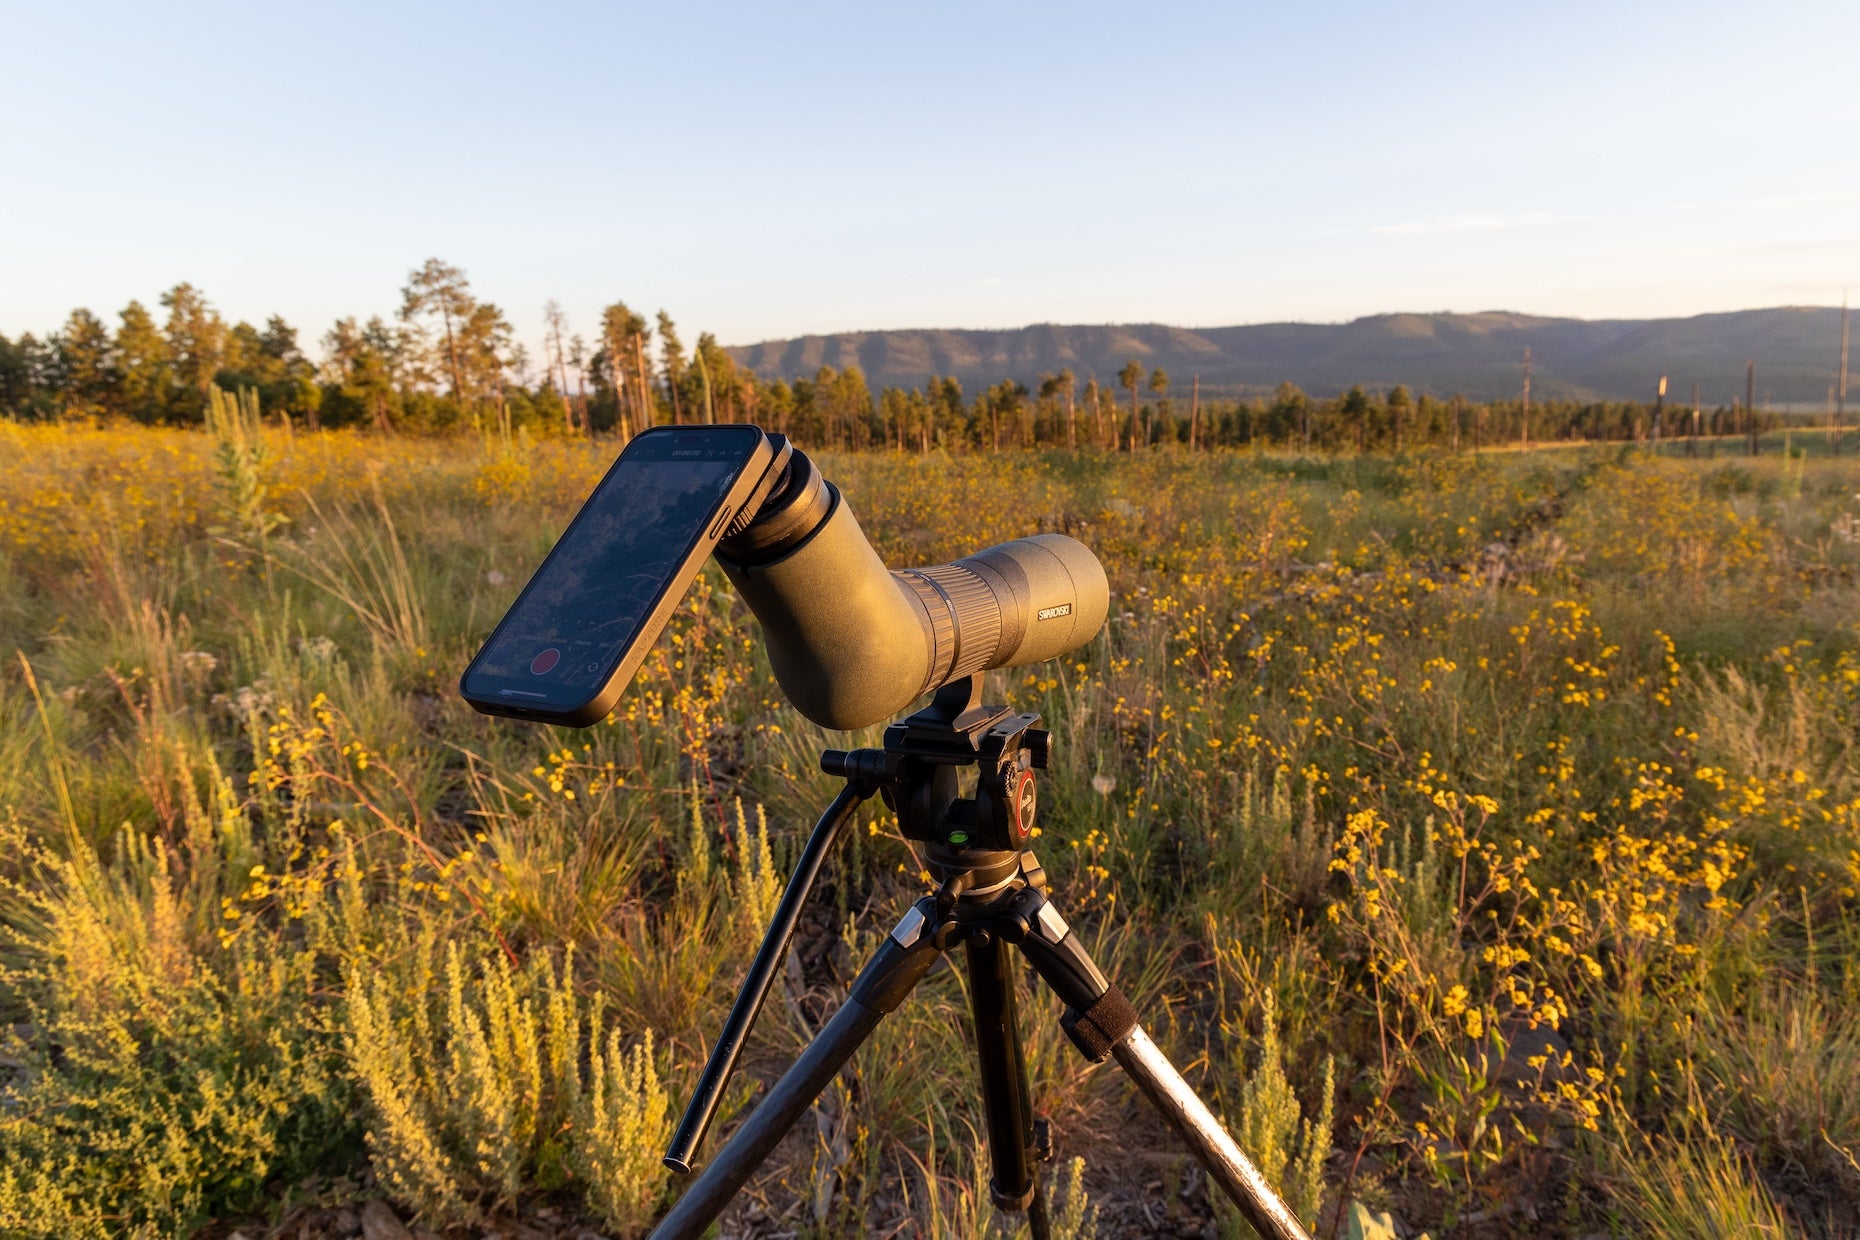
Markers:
1520,789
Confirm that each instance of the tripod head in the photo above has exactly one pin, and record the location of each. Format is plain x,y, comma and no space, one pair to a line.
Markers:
916,774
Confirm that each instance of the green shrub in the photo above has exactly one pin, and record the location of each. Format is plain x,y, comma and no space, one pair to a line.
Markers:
477,1090
162,1078
1288,1146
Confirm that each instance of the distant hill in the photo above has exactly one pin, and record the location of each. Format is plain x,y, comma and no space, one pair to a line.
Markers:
1796,349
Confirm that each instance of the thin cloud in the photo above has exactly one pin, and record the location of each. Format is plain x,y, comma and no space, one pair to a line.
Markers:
1771,202
1464,222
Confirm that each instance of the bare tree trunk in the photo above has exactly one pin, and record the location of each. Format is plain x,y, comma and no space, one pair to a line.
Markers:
452,355
1524,422
1660,411
1840,392
561,372
1194,414
1750,403
621,398
1692,444
646,415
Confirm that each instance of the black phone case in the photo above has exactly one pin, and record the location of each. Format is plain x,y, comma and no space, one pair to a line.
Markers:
596,708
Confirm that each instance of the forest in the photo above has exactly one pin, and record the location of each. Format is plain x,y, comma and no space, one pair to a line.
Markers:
450,360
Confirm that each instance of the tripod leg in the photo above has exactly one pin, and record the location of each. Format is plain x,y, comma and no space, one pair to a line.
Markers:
1226,1163
900,963
1005,1096
1102,1023
735,1034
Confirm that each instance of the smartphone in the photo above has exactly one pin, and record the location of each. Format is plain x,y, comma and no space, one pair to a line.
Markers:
567,647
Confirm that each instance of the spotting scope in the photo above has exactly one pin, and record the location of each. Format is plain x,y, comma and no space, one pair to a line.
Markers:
851,642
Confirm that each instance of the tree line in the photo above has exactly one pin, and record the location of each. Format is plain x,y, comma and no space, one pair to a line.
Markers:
449,359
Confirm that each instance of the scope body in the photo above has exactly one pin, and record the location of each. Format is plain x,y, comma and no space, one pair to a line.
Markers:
853,643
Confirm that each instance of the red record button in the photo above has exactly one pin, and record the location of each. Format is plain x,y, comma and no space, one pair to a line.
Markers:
545,661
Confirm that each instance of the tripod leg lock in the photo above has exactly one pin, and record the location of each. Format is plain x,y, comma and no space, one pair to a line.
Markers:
1016,1202
903,958
1098,1029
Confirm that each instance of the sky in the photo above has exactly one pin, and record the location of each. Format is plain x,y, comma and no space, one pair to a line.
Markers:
765,171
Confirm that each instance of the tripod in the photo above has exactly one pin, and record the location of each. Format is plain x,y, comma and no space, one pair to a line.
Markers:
992,897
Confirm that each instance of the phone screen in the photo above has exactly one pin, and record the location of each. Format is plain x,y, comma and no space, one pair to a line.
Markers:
569,629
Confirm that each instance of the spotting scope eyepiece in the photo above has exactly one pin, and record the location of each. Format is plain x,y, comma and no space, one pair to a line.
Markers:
853,643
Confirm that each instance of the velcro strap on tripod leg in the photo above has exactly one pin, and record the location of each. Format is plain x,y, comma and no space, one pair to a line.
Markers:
1101,1026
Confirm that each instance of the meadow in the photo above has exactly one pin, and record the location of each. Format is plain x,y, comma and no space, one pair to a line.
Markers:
1481,832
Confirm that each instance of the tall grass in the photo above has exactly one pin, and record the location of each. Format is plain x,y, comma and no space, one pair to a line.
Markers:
1478,831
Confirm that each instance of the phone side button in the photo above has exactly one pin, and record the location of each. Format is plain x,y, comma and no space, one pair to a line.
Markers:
723,523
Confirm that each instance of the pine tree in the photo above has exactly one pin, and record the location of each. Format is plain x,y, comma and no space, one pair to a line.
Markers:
142,364
87,368
1130,376
442,289
1159,384
617,363
1353,410
671,363
196,338
1399,406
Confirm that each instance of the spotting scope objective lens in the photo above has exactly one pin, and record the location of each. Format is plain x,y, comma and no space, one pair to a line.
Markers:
853,643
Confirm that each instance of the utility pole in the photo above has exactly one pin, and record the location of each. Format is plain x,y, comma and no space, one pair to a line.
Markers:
1194,413
1750,402
1524,423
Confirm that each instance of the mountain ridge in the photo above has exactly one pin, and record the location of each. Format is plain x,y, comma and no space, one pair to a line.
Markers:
1477,354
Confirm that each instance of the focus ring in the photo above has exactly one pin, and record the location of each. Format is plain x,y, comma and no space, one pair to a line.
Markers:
942,628
975,614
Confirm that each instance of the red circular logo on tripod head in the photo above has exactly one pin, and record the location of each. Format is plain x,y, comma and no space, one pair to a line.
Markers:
1023,802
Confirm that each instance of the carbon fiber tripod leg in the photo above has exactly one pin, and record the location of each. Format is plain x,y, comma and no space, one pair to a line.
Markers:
899,964
1006,1101
1101,1022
